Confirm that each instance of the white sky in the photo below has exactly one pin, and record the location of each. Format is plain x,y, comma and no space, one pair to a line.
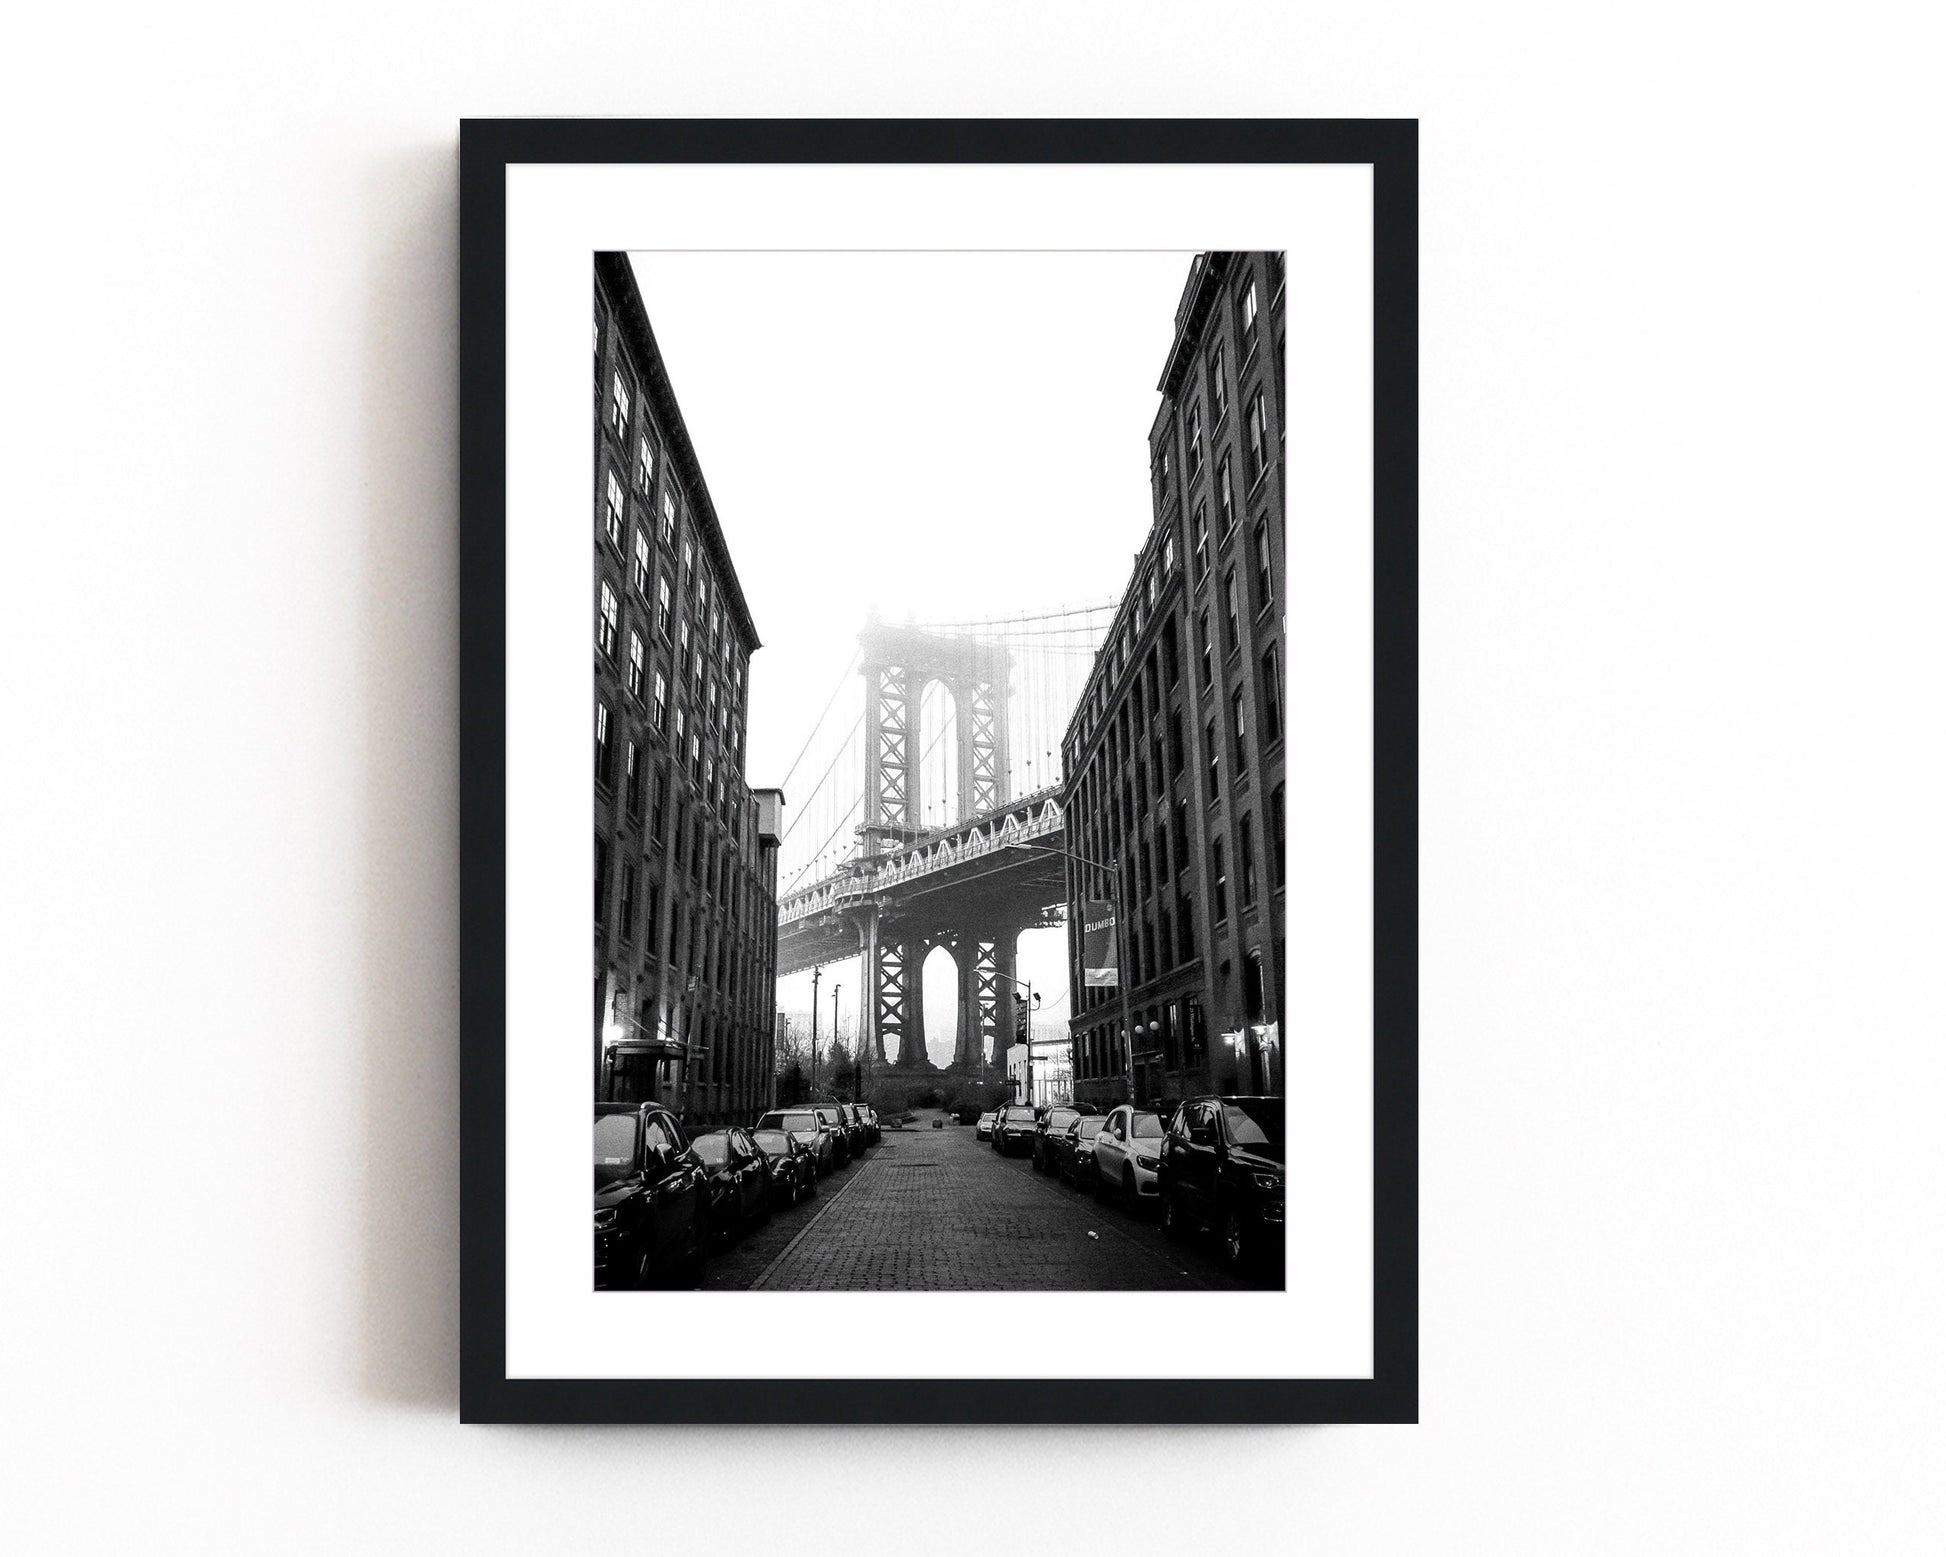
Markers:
947,436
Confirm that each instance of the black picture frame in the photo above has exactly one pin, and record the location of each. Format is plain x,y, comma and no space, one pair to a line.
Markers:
487,149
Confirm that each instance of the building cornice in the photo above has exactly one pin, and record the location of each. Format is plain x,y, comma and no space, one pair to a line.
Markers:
618,276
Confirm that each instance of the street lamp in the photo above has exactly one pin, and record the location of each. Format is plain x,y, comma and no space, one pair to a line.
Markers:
1121,922
1033,1004
834,1019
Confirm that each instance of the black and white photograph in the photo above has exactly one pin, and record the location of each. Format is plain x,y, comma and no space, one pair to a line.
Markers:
939,733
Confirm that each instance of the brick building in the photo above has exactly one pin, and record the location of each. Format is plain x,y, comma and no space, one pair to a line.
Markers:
685,865
1175,753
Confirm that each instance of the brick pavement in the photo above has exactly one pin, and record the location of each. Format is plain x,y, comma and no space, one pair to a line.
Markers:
936,1210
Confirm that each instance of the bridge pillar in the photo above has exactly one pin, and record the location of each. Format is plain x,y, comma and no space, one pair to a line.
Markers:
912,1035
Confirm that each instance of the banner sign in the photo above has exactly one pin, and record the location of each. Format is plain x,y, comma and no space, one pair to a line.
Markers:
1098,945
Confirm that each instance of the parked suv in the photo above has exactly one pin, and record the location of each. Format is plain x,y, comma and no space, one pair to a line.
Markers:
1128,1154
1223,1167
812,1131
651,1207
1013,1129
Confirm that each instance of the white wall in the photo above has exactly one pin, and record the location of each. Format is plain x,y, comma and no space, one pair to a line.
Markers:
1682,1016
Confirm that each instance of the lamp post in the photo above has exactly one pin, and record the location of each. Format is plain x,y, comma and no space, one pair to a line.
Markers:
816,974
1033,1000
1121,961
834,1020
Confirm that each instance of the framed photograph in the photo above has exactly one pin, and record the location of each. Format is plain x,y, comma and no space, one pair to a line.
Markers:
969,735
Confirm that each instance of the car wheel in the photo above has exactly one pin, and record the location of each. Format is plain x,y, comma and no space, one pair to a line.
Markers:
1234,1248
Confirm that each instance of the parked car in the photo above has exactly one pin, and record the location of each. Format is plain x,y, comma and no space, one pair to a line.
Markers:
810,1128
1048,1133
1128,1151
1075,1160
874,1132
651,1205
1223,1167
793,1165
983,1126
855,1125
1013,1129
738,1179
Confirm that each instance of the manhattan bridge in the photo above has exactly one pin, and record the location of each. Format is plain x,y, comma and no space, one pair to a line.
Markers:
937,753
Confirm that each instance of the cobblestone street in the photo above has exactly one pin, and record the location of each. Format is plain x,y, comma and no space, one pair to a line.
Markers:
937,1210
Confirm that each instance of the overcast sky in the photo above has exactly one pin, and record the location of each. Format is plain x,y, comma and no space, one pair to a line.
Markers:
942,436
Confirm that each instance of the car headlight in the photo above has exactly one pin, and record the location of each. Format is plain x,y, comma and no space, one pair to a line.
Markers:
605,1218
1270,1183
1146,1162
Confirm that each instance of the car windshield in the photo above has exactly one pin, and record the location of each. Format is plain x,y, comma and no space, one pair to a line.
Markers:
1061,1118
773,1141
1257,1124
798,1122
1088,1129
1146,1127
713,1149
1018,1112
614,1147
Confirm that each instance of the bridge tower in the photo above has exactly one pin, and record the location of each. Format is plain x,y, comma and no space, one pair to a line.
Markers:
899,664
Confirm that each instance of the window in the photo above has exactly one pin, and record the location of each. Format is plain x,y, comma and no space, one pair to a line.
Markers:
1273,693
1236,729
1219,881
661,704
695,754
1170,671
1219,385
1246,861
607,624
1175,743
604,747
656,810
1215,758
611,519
1247,306
1202,630
689,556
1182,843
634,663
639,569
1256,438
628,902
644,465
1151,587
1277,836
1226,508
1185,929
632,780
1230,612
618,408
1195,439
682,658
668,515
1162,472
601,879
1263,564
1169,551
1201,541
679,728
662,603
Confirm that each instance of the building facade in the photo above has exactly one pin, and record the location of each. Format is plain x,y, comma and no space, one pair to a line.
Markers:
685,860
1175,753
